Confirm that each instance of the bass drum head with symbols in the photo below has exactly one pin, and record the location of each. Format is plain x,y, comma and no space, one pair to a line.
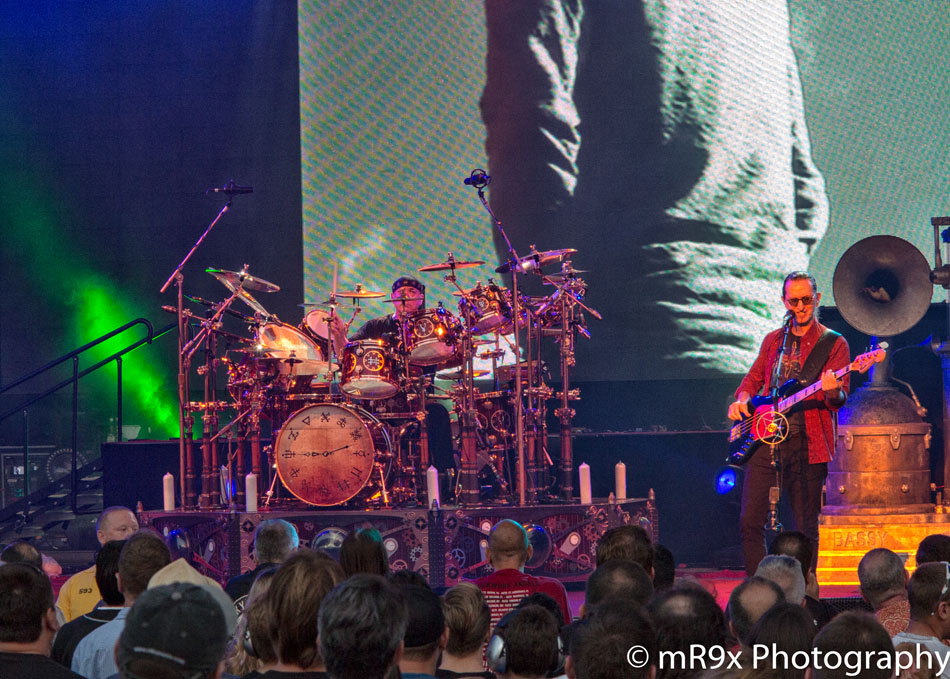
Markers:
326,453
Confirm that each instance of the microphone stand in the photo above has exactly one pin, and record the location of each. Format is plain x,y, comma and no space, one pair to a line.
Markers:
185,420
775,492
516,268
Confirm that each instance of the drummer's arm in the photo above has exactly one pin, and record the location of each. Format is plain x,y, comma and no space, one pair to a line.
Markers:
338,334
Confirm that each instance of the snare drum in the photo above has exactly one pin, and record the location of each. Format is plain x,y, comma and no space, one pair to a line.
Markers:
433,336
369,370
327,454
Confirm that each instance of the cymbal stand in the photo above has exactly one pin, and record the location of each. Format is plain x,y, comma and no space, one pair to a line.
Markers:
334,375
209,450
209,453
537,393
480,182
468,474
568,297
185,420
423,462
564,412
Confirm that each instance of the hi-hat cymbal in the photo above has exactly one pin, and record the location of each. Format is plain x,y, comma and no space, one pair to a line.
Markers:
233,279
360,293
330,303
536,260
451,263
561,277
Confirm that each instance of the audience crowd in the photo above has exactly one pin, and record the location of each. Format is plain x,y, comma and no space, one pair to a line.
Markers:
304,614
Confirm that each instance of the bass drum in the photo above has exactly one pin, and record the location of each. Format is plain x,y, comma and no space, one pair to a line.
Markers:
328,454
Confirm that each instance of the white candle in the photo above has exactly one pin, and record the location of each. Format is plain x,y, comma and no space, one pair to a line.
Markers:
250,492
620,481
584,472
432,486
168,492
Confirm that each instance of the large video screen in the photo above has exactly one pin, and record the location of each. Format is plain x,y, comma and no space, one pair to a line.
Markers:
692,153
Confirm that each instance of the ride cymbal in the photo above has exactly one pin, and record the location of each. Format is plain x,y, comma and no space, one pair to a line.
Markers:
451,263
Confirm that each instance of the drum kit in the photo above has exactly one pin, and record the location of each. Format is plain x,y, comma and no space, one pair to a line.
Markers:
348,420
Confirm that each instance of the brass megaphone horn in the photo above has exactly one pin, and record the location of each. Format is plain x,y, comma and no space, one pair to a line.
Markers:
882,286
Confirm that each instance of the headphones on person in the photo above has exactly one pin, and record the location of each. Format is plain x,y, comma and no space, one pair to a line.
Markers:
496,653
248,643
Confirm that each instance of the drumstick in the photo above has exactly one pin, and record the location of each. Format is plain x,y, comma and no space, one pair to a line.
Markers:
334,279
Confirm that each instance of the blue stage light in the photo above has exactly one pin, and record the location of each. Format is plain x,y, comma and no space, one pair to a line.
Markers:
725,480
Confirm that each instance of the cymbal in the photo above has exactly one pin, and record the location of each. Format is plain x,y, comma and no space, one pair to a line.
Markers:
327,303
418,298
360,293
561,277
538,259
245,280
232,284
451,263
458,374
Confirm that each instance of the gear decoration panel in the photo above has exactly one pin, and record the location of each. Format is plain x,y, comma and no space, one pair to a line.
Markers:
564,537
444,546
203,540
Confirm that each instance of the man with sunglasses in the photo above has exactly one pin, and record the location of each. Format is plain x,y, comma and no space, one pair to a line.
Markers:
928,591
799,463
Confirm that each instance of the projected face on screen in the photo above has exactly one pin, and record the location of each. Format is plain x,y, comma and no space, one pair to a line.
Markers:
676,146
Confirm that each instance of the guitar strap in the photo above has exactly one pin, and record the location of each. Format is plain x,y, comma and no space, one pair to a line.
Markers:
811,371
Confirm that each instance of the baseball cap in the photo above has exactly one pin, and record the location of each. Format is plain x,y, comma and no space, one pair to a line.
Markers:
178,625
180,570
426,619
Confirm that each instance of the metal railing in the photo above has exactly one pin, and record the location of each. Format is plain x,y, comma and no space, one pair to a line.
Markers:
74,382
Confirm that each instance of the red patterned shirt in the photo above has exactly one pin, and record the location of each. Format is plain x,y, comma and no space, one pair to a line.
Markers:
505,588
894,616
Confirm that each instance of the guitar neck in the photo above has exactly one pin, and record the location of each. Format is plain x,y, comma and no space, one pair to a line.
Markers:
798,396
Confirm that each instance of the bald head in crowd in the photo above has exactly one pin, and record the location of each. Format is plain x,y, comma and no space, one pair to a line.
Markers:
115,523
747,602
882,576
508,545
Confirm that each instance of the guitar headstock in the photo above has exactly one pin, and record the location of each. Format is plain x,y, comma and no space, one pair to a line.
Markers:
863,362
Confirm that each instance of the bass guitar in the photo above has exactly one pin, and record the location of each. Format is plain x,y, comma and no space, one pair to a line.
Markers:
768,424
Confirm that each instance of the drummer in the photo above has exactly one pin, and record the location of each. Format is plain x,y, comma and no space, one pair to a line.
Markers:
408,296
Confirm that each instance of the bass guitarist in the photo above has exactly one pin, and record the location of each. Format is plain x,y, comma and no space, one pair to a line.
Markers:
798,464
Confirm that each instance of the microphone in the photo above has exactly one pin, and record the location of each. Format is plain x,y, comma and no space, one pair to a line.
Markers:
789,316
478,179
230,189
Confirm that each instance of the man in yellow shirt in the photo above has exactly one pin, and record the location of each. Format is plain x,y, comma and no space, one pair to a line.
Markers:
80,593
